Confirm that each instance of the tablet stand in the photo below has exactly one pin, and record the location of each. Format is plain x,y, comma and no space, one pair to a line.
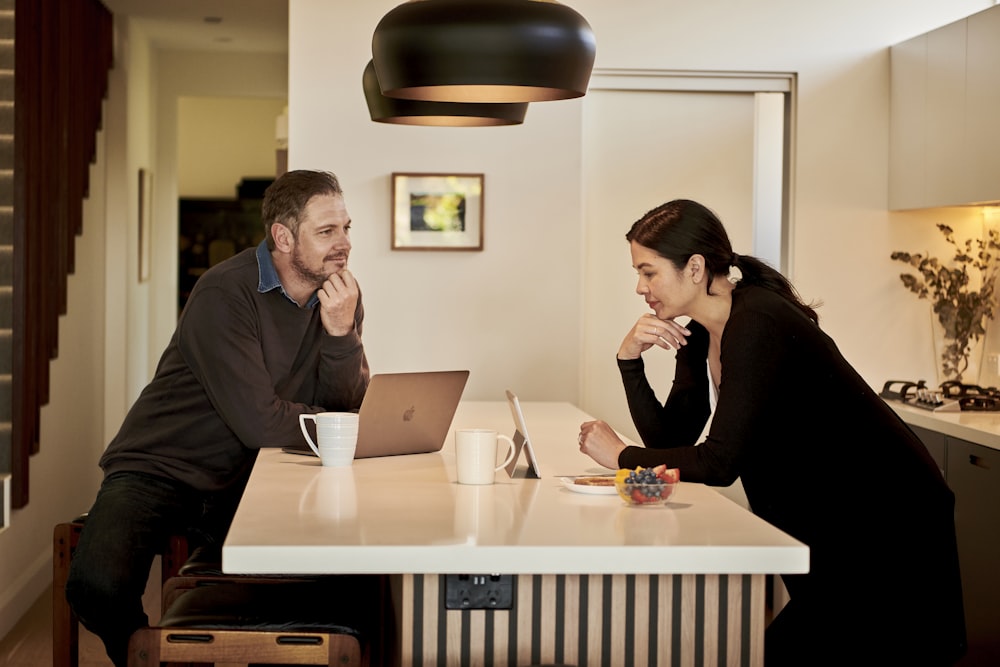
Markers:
531,470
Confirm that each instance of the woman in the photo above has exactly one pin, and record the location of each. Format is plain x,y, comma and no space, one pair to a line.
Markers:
820,455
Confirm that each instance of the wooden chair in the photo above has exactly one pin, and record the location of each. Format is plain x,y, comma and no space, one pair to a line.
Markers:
65,625
328,621
153,646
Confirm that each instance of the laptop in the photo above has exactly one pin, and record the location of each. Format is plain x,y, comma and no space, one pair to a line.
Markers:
404,413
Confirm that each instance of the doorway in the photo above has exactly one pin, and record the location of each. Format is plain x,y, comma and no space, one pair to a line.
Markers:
227,154
723,140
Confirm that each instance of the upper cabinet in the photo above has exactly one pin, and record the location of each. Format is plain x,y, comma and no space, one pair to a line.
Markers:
944,141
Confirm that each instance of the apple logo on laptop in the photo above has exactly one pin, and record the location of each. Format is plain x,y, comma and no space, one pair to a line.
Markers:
408,414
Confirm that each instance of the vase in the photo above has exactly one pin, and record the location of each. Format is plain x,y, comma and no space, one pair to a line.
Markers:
953,363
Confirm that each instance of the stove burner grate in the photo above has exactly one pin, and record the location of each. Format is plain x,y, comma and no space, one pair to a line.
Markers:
951,396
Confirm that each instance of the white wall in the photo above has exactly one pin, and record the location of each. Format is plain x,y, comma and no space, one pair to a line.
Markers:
128,323
222,140
510,313
842,235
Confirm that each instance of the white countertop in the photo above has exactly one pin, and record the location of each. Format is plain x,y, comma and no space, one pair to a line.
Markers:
407,514
982,428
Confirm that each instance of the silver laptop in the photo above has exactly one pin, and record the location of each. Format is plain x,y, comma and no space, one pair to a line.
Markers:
405,413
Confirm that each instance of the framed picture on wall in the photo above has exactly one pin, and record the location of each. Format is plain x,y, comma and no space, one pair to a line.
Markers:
145,222
437,211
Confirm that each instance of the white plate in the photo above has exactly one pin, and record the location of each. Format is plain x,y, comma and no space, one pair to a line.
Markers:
591,490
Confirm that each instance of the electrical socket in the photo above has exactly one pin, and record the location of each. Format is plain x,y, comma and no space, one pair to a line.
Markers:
993,363
479,591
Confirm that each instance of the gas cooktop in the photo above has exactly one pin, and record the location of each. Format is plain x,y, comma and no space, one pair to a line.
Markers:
951,396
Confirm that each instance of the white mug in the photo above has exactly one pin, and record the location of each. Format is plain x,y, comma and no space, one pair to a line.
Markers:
336,435
476,455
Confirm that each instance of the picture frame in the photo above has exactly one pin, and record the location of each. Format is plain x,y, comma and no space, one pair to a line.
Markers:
145,223
437,211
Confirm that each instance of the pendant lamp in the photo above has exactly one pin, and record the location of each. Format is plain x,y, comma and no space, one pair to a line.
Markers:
483,51
384,109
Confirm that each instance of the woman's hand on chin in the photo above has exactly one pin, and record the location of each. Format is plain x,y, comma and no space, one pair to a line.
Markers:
650,330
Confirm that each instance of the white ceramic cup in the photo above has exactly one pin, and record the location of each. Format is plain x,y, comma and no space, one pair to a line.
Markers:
336,436
476,455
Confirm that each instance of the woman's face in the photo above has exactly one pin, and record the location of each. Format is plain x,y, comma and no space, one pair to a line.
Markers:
667,290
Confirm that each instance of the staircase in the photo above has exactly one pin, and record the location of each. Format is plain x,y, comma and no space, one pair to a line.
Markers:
63,51
6,248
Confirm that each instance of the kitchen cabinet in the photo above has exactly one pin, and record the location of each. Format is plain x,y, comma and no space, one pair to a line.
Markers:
935,444
944,139
973,473
983,84
974,476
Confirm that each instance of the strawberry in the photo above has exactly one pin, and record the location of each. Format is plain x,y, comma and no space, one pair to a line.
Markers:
668,475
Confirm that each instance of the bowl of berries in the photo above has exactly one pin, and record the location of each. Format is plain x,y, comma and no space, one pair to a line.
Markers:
647,487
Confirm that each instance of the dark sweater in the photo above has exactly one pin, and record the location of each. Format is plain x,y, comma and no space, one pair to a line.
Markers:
821,457
240,368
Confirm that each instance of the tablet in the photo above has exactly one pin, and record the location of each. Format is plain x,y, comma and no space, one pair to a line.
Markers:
522,442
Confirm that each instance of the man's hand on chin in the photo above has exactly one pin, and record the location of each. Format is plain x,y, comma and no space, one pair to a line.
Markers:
338,299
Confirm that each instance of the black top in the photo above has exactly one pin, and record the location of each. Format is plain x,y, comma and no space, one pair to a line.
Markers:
821,456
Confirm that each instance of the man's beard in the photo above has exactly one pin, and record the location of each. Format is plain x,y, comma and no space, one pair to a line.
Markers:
305,273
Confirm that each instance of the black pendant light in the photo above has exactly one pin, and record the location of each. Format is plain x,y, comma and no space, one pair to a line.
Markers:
483,51
384,109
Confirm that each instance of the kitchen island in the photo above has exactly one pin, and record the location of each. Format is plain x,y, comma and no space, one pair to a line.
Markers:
526,570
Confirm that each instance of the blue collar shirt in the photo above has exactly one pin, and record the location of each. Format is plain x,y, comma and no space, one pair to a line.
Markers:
269,276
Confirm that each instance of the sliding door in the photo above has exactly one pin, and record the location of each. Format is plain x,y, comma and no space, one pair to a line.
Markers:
647,142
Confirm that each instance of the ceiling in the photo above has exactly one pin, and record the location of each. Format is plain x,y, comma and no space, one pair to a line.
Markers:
245,25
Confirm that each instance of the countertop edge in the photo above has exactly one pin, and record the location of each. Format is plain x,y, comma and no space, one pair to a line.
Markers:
552,559
981,428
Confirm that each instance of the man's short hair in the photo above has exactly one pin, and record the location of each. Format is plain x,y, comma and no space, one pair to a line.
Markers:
285,200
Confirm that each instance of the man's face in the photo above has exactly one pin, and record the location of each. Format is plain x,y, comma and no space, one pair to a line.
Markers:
323,241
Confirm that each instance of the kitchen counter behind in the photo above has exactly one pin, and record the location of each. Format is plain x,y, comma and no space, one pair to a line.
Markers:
966,446
981,428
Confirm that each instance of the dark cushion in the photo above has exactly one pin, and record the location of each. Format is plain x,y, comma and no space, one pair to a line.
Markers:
339,605
204,560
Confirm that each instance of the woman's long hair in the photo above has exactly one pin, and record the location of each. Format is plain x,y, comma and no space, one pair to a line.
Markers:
682,228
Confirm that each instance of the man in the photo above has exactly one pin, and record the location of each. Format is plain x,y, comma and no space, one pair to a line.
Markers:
265,336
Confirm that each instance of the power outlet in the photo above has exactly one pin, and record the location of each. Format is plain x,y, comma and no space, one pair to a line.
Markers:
479,591
993,363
